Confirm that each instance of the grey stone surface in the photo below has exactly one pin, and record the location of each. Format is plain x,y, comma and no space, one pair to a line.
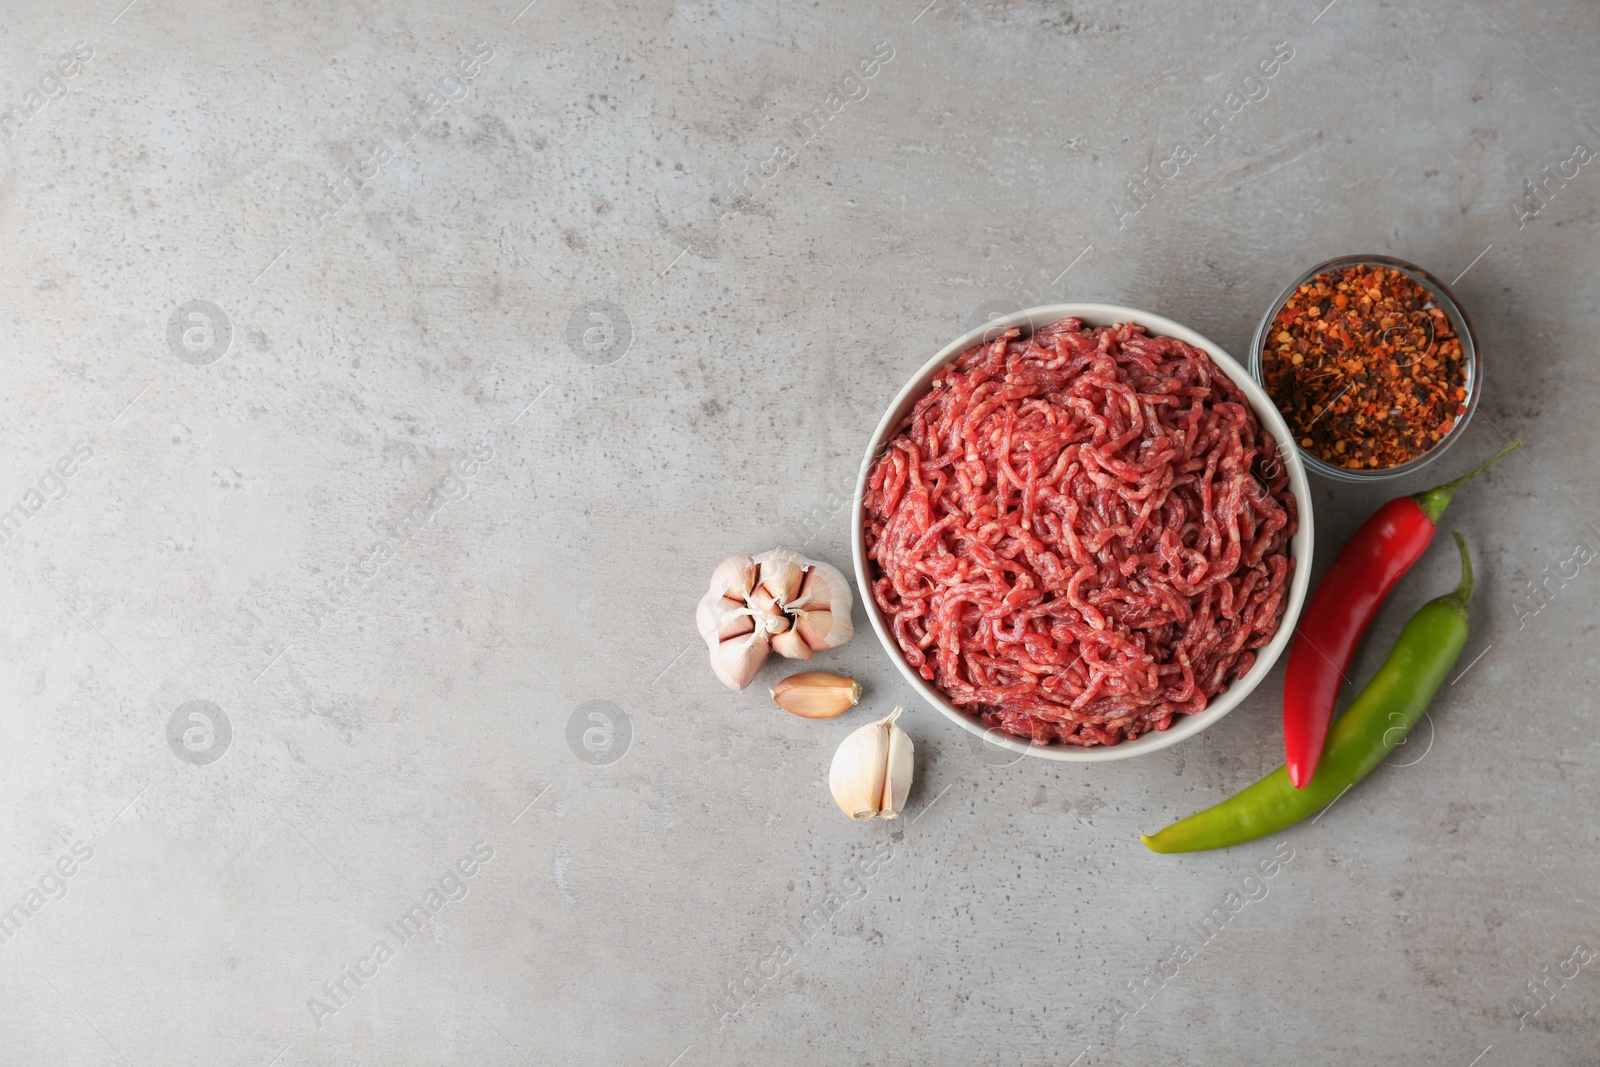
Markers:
407,516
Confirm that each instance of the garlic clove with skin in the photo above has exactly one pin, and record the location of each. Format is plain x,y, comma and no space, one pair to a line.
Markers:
782,573
897,782
821,629
871,772
725,618
735,577
823,588
816,694
791,644
737,660
769,611
859,768
822,609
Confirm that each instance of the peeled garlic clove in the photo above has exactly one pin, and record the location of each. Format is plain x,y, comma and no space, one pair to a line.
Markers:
816,694
871,771
736,661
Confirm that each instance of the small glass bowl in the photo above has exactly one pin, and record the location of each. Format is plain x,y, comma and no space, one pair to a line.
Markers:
1446,302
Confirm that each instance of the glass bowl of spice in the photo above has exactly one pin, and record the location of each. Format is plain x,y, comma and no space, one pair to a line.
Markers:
1373,365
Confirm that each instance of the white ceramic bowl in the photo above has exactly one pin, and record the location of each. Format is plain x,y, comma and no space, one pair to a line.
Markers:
1300,546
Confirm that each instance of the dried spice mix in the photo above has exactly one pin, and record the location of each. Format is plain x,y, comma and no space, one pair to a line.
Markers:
1366,368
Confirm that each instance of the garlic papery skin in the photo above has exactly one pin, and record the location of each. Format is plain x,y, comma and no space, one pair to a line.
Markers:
871,772
778,601
816,694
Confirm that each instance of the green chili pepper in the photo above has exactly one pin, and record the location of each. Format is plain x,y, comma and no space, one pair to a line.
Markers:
1374,725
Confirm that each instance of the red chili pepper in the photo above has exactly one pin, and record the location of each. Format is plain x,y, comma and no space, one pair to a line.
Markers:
1338,613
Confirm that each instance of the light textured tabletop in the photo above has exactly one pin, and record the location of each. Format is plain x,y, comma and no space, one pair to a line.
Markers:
384,382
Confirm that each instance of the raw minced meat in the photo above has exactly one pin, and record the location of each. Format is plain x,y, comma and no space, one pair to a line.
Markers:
1080,535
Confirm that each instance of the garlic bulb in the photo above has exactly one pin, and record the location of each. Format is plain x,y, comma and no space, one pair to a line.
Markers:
871,772
816,694
776,601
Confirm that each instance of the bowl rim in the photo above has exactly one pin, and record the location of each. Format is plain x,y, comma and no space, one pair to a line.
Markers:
1300,546
1469,349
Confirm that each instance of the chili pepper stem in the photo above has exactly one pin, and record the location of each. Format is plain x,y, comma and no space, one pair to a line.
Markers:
1435,500
1459,600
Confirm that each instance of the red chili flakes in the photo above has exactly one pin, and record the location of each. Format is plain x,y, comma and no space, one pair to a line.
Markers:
1366,368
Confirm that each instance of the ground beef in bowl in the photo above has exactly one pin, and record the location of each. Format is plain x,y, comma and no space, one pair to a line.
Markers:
1079,535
